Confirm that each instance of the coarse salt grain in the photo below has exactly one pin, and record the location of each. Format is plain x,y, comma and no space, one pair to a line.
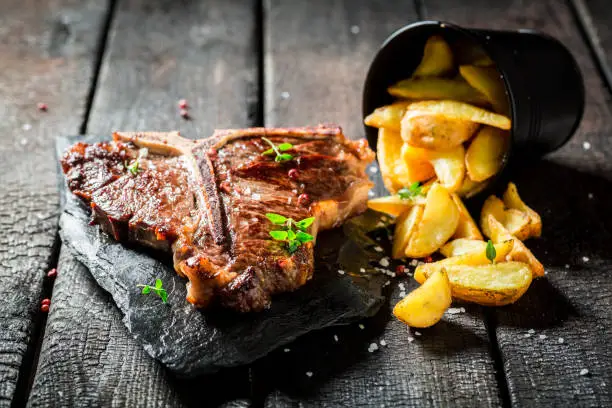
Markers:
26,126
590,196
387,283
527,335
584,371
361,326
378,249
309,373
371,193
335,338
355,29
586,145
414,262
410,339
373,347
463,310
383,343
531,331
542,336
561,340
401,286
373,169
566,266
341,272
585,259
285,95
453,310
417,333
287,350
256,196
362,270
402,294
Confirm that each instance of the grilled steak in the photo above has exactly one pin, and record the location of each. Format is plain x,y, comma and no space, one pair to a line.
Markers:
206,200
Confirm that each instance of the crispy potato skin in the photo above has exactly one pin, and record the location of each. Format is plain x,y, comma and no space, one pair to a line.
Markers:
488,81
437,58
405,227
437,89
462,246
486,153
425,306
436,132
388,116
512,199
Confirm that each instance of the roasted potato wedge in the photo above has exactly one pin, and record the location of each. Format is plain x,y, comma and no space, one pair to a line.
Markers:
486,153
425,306
438,88
405,226
437,58
449,166
435,131
394,205
417,163
470,188
439,222
461,246
502,249
392,166
497,284
520,253
389,116
513,200
514,221
488,81
467,227
456,109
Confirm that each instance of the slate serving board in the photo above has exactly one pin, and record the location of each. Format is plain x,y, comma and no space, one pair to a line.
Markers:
191,342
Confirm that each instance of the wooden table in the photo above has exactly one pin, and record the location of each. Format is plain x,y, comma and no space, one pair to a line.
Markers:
102,65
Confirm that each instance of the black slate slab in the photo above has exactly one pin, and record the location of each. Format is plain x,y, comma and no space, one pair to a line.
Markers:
192,342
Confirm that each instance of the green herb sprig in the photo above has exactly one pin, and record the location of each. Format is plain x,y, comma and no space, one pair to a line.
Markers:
413,190
283,147
134,166
157,289
491,252
294,232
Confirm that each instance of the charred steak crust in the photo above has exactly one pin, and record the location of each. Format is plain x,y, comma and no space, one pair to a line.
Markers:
205,201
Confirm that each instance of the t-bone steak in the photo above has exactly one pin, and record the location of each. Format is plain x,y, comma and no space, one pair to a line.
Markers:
206,201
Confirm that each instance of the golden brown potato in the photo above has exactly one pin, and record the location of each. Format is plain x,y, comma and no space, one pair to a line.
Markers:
456,109
449,166
416,160
461,246
513,200
439,222
389,116
486,154
425,306
394,205
438,88
514,221
519,252
392,167
405,226
502,249
435,132
467,227
470,188
437,58
488,81
496,284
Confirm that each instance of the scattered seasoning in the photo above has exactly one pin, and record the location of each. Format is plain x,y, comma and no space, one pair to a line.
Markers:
52,273
285,95
417,333
566,266
361,326
400,270
542,336
362,270
45,301
42,106
584,371
383,342
586,145
373,169
44,308
561,340
341,272
453,310
335,338
287,350
303,199
379,249
384,261
428,259
371,194
184,114
355,29
590,196
309,373
182,103
463,310
293,174
26,126
527,335
531,331
157,289
585,259
373,347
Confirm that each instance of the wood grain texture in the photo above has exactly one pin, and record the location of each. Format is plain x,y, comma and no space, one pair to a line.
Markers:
158,52
569,310
47,54
316,74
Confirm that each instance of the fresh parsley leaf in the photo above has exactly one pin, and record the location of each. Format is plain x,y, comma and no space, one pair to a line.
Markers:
279,235
134,167
276,219
490,251
294,233
280,157
414,190
157,289
303,237
305,223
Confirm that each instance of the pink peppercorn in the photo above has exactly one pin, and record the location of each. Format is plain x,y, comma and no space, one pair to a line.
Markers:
183,104
44,308
184,114
52,273
293,174
303,199
42,106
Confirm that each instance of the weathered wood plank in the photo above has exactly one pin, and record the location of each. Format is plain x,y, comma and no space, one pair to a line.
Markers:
158,52
47,54
569,310
314,75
